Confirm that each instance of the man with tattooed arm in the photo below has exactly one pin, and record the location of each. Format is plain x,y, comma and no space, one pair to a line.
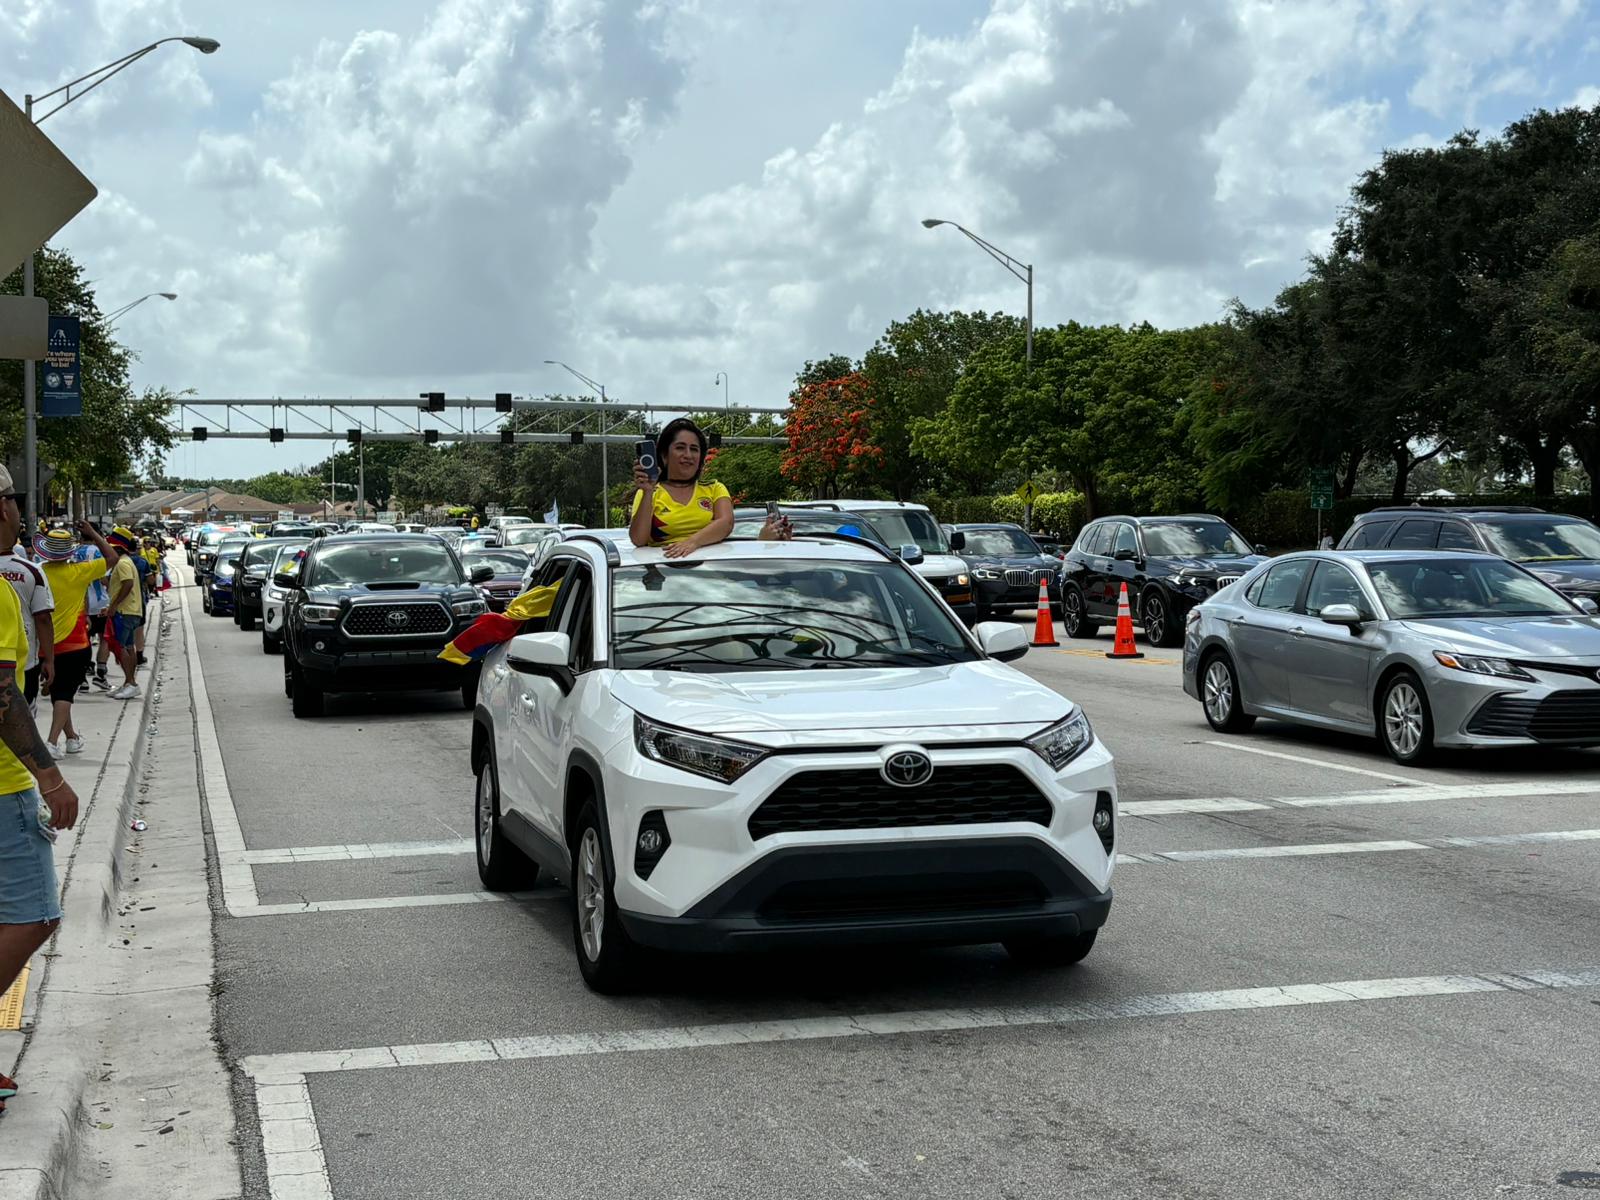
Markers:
35,801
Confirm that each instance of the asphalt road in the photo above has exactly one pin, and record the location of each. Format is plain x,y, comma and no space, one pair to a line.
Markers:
1317,993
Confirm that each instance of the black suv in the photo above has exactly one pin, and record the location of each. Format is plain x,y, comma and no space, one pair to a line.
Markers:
370,613
1006,566
1561,550
1170,564
250,576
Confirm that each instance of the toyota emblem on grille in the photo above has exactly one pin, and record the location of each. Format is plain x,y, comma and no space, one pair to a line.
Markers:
908,768
398,619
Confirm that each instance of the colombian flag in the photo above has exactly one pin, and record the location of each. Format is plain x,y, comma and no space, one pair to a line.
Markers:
489,630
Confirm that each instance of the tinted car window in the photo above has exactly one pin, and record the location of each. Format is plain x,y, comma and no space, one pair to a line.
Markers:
504,562
1543,539
1415,535
1368,534
1333,584
1454,535
1000,543
900,527
1088,540
1193,539
1475,587
1282,585
1125,540
370,562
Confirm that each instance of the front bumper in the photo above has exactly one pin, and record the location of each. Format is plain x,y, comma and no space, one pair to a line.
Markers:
1559,709
221,594
960,891
408,670
997,593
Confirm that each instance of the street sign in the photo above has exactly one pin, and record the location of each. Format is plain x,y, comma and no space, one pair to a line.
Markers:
61,394
1028,492
1321,488
40,189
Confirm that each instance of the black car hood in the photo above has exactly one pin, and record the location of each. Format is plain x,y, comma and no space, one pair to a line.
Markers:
360,592
1029,561
1221,564
1582,575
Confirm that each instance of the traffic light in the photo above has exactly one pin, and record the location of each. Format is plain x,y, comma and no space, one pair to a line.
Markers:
353,437
430,436
502,402
715,440
275,434
508,437
577,437
198,433
435,401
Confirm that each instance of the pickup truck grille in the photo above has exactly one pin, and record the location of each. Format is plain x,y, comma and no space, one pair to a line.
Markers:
858,798
412,618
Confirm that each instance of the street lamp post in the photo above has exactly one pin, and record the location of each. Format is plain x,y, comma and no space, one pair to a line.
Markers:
1023,271
723,377
30,402
605,471
117,314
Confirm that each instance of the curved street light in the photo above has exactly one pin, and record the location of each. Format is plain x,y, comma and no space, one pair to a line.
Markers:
117,314
722,377
1023,271
30,404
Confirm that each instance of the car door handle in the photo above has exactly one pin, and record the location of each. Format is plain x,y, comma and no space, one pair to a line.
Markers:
1298,631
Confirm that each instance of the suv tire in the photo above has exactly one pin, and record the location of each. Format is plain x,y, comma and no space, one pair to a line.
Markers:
502,867
1161,628
305,700
607,957
1220,696
1075,614
1405,720
1052,951
270,644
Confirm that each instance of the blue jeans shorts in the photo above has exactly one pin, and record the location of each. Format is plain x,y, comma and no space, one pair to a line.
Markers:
28,891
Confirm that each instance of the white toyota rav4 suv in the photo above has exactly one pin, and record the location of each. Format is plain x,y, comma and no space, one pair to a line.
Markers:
773,744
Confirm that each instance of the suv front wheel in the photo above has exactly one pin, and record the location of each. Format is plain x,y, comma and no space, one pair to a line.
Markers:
607,956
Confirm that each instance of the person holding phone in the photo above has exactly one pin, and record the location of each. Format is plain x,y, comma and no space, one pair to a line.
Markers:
673,509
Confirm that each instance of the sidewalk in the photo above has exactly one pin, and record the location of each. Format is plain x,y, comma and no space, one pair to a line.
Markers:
116,1015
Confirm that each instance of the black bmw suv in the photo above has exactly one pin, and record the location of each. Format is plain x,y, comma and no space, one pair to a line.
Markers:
1006,566
370,613
1561,550
1170,564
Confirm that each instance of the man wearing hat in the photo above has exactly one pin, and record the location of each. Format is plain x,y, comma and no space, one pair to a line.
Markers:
35,800
69,584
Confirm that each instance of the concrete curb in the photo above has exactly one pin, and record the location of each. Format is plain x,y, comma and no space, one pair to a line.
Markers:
40,1128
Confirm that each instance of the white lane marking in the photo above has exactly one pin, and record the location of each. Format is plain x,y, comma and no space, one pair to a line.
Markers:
1532,789
291,1142
1159,808
1408,781
279,1068
446,898
1520,839
1284,851
238,882
356,851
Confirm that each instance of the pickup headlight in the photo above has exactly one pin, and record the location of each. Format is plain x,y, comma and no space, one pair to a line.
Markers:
713,757
225,571
962,581
1498,667
469,608
1063,741
320,614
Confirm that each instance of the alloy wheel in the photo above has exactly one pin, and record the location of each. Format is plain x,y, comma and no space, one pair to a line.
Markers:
1402,719
1071,613
485,815
1155,621
1219,691
591,894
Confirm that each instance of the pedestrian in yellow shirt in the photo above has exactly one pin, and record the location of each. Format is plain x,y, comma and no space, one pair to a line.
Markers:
126,611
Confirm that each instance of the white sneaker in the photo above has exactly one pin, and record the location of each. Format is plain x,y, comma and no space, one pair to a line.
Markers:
74,745
126,692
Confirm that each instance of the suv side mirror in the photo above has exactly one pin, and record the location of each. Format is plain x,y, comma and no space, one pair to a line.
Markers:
1590,608
481,573
910,554
1125,555
958,540
1261,548
1001,640
286,580
546,654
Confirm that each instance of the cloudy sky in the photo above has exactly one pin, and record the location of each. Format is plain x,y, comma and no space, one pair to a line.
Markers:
381,197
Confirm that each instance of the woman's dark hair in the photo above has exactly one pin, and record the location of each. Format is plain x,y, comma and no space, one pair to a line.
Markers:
665,440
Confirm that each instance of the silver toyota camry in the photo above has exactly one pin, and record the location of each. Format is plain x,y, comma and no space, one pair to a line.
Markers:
1421,651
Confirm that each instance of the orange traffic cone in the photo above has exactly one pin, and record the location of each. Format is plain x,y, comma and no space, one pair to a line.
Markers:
1044,626
1124,647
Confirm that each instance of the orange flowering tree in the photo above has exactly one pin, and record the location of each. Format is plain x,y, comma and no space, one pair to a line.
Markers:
830,435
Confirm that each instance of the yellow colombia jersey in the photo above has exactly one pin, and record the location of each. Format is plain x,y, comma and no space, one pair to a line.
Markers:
14,777
671,521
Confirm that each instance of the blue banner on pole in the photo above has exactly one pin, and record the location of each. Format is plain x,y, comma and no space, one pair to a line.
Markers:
61,393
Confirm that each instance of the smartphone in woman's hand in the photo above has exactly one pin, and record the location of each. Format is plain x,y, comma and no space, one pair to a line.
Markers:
645,452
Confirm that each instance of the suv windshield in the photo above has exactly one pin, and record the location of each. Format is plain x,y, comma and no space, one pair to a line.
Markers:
900,527
502,562
1000,543
1193,539
1542,540
804,520
524,536
766,616
262,553
1463,587
374,562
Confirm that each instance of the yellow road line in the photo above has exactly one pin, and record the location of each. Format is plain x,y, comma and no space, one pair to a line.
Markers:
1153,662
11,1002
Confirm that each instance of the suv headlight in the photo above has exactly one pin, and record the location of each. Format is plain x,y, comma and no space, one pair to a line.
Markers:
469,608
1475,665
713,757
1063,741
986,573
320,614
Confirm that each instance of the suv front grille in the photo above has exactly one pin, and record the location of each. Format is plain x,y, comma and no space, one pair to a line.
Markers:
1021,576
413,618
1569,716
859,798
1227,581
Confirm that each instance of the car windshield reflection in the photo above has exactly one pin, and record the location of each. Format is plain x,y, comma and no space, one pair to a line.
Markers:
1480,587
